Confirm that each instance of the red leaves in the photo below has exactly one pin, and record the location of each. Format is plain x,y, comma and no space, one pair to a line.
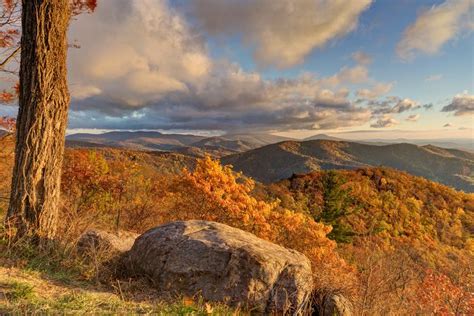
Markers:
8,4
80,6
439,296
10,96
8,37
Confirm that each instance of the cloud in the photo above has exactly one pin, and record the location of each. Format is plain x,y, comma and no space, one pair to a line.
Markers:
405,105
141,66
428,106
434,27
356,74
413,118
376,91
231,100
134,52
362,58
384,122
282,33
461,104
394,105
448,125
434,78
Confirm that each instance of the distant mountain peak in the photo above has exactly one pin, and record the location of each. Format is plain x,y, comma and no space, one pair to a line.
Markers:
323,137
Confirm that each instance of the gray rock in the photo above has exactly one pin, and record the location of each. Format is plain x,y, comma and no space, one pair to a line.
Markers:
337,305
222,263
98,240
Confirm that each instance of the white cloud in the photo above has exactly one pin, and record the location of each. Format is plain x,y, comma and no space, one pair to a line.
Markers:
282,32
434,27
461,104
356,74
413,118
141,66
376,91
395,105
384,122
134,52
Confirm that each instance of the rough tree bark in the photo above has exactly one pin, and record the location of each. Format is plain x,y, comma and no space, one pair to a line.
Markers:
42,118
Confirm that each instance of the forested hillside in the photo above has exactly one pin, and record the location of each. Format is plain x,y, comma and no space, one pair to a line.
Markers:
448,166
389,241
392,226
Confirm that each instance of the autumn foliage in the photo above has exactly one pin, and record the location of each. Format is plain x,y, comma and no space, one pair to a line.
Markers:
401,227
119,194
409,250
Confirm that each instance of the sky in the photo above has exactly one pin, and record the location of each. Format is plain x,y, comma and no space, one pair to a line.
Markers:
290,67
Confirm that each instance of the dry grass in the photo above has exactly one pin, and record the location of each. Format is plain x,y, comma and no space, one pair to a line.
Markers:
27,292
59,280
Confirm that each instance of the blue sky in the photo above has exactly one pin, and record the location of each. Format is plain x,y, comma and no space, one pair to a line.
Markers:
433,78
291,67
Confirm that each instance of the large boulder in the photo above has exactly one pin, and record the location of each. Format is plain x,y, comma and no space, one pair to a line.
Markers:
222,263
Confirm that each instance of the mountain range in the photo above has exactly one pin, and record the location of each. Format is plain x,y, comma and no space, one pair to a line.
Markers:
269,158
192,145
279,161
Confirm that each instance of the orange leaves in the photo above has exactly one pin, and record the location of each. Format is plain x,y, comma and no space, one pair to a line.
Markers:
6,97
8,37
9,22
7,3
215,192
439,296
106,188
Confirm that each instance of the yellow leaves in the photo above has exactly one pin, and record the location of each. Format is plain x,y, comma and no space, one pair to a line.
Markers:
215,192
209,192
208,308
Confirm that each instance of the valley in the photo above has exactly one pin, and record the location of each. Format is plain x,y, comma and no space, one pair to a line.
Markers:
269,158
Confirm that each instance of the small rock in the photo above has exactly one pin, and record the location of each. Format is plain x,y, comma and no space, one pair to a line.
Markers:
102,240
337,305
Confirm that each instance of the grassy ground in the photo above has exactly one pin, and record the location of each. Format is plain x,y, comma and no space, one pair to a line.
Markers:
29,292
58,281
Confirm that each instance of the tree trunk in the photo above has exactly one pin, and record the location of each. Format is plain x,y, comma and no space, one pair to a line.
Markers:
42,118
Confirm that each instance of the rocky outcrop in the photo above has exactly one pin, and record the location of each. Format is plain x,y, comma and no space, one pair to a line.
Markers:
222,263
98,240
337,305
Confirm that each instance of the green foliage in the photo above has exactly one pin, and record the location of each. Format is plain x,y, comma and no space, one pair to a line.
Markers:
337,204
19,291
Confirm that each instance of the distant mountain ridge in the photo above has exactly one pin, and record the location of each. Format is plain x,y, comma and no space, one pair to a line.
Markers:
269,158
280,161
143,140
464,144
192,145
